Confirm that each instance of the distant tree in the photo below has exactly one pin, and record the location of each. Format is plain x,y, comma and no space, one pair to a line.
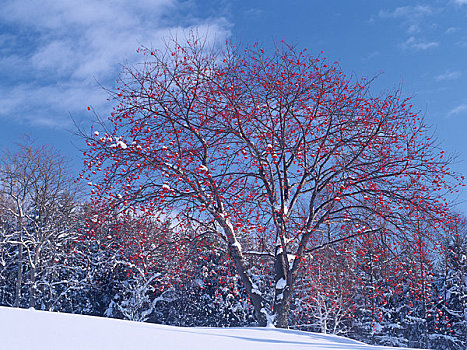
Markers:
326,292
131,262
448,323
393,304
36,206
279,155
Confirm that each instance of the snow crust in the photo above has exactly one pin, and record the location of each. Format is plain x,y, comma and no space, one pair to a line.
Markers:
281,284
27,329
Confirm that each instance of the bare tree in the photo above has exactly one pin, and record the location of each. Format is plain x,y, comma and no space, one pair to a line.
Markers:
37,202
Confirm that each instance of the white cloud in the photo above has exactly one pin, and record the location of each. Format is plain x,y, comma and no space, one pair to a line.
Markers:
448,75
50,105
414,20
413,28
459,109
460,2
75,43
254,12
417,44
451,30
408,12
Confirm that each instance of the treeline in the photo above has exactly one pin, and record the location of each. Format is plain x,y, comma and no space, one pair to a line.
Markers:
54,256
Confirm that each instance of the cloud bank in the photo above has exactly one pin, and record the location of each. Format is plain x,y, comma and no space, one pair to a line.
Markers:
53,52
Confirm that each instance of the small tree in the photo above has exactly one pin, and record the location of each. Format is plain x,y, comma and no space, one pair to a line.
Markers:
279,155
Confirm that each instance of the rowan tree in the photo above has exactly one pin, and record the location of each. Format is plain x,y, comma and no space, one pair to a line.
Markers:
277,154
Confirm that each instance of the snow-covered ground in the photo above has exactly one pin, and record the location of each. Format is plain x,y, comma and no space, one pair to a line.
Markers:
22,329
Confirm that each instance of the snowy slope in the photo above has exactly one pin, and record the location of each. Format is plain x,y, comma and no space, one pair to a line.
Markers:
22,329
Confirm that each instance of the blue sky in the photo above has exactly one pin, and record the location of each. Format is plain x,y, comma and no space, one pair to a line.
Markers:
55,53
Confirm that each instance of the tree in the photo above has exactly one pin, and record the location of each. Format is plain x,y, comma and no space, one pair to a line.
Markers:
36,205
132,261
393,305
449,321
280,155
326,300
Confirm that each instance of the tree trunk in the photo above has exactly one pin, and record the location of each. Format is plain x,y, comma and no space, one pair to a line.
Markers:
281,310
32,277
32,288
252,290
19,277
282,278
235,252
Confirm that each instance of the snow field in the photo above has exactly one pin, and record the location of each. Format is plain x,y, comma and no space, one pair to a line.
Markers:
27,329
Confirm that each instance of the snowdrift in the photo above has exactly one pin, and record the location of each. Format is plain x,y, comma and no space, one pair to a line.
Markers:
22,329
